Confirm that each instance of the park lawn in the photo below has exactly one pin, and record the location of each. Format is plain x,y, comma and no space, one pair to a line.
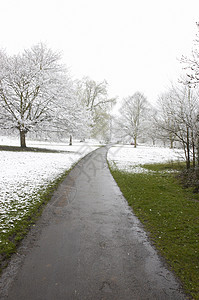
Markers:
170,215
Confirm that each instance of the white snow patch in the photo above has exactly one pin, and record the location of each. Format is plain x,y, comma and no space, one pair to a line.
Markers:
24,173
130,159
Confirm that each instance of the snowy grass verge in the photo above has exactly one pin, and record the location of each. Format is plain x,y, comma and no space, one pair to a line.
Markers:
27,180
130,159
22,218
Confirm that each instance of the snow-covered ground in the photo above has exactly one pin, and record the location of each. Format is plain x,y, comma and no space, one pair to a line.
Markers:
22,174
130,159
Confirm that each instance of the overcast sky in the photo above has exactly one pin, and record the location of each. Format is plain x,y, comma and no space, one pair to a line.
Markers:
134,45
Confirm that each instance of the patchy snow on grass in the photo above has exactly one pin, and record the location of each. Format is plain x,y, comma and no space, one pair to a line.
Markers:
130,159
23,174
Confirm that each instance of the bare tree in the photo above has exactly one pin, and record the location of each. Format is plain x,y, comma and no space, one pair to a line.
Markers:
177,119
95,96
133,116
165,118
70,114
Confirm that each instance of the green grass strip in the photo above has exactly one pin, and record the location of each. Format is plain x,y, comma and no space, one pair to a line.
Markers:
170,215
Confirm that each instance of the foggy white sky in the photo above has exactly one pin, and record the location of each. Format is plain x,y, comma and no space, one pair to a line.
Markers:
134,45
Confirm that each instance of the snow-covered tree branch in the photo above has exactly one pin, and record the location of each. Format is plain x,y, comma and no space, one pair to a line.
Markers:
191,64
36,92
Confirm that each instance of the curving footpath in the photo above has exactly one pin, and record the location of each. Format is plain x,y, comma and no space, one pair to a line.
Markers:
88,245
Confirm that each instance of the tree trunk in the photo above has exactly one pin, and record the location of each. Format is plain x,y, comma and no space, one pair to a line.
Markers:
135,141
71,141
194,155
171,140
22,139
188,150
197,151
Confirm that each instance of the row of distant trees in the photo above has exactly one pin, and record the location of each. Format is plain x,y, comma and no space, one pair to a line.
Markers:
175,118
38,95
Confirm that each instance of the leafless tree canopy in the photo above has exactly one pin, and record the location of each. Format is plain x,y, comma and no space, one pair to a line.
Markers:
94,95
133,119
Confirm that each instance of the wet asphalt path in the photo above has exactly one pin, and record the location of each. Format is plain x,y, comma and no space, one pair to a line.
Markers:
88,245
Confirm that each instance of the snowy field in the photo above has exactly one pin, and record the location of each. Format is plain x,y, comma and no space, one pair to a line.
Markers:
24,173
130,159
